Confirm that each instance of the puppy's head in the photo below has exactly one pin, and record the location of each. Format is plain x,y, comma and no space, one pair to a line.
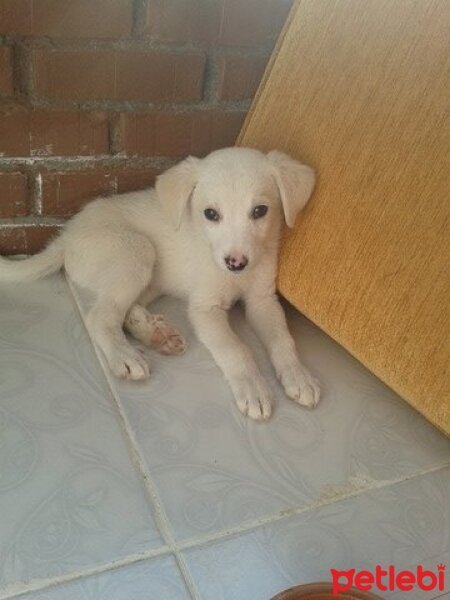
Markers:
236,199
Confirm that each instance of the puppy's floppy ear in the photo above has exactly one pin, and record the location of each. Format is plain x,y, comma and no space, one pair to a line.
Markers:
175,186
295,183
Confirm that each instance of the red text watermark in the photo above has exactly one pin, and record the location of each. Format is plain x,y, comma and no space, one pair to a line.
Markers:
389,579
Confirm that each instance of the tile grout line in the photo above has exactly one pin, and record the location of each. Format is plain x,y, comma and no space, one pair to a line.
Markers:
161,518
44,584
255,524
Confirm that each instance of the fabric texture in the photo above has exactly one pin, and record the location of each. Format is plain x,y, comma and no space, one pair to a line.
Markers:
360,92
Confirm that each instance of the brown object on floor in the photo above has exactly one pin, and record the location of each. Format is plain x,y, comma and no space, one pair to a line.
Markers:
360,91
322,591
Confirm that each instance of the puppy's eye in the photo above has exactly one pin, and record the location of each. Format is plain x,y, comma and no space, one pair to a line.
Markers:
259,211
211,214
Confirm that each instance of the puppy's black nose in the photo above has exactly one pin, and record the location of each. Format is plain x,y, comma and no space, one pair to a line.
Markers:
236,263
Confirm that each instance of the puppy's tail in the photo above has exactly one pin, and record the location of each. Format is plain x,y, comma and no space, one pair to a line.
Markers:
48,261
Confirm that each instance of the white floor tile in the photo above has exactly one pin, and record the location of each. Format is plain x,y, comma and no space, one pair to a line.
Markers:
72,499
405,525
70,495
158,579
216,469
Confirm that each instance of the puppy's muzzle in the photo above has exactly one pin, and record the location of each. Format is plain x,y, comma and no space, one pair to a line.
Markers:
236,263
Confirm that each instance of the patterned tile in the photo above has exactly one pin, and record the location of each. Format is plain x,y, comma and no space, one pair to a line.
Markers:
157,579
216,469
405,525
70,496
72,499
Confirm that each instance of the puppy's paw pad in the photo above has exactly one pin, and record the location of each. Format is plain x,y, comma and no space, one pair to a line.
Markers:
307,395
253,401
301,387
165,338
130,364
258,409
174,344
311,394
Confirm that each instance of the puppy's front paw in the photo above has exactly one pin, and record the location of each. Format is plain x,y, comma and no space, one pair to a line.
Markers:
252,398
300,385
129,363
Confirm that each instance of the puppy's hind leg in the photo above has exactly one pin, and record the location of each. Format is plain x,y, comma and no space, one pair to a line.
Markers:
120,281
104,323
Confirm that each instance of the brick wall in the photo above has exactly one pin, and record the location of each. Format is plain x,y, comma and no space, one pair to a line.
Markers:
98,96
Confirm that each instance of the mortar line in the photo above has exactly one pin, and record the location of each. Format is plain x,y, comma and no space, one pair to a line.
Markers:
134,106
106,161
150,487
38,189
254,524
43,584
149,44
32,221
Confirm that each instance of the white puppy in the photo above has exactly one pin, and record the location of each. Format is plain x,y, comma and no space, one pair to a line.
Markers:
207,233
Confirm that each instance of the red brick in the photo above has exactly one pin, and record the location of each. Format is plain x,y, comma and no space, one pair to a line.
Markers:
6,71
180,21
253,22
25,240
131,180
13,195
96,19
53,133
239,76
12,240
68,133
225,128
63,194
74,75
82,18
121,75
155,77
166,134
16,17
179,134
137,134
14,137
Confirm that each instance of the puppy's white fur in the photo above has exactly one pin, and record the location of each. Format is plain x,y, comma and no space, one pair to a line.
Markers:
132,248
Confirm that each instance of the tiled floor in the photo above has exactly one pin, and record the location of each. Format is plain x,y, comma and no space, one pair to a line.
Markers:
162,491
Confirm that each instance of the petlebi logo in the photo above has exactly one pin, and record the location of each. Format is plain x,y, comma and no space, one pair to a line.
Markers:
389,579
